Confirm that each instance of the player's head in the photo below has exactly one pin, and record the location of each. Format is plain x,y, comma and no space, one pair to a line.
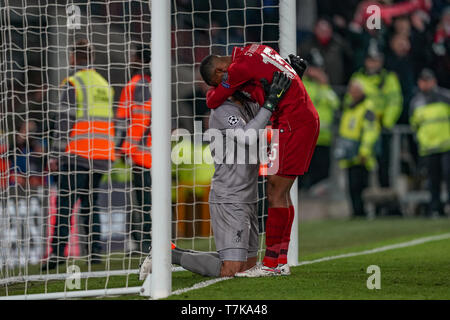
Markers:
82,53
374,58
141,54
213,68
427,80
140,57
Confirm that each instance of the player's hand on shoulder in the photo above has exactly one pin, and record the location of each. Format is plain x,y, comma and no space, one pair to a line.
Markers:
275,91
298,64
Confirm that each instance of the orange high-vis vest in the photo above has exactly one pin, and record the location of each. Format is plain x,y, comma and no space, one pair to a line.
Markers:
92,135
138,140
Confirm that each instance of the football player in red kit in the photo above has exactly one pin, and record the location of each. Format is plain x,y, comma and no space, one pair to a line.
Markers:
248,70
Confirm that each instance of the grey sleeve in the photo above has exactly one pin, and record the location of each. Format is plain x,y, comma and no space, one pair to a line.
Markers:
232,121
64,119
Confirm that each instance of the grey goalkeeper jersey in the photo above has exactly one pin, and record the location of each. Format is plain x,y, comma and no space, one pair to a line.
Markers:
236,182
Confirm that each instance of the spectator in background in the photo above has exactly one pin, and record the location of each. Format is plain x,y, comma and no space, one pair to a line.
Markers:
420,38
83,150
28,162
383,88
430,120
358,132
402,26
332,47
133,119
327,103
341,12
398,60
389,10
441,49
361,36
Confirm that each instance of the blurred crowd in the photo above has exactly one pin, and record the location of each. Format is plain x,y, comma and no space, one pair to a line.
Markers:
366,80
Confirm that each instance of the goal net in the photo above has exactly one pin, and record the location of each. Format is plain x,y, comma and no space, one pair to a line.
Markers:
101,220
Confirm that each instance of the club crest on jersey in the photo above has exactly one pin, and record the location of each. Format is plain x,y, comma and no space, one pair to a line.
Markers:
233,120
225,84
238,236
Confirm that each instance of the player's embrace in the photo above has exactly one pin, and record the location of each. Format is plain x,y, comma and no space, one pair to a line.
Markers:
234,187
297,121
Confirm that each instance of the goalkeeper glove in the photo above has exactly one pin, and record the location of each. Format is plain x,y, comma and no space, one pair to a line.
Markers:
276,90
298,64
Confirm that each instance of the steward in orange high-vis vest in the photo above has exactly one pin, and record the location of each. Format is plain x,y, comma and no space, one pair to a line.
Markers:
135,106
133,119
83,149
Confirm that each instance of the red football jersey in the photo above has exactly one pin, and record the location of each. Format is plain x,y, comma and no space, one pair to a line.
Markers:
249,65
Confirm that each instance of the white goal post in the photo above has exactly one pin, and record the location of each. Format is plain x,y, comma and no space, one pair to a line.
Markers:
161,284
33,30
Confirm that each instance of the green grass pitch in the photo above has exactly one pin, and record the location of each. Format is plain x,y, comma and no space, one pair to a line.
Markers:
415,272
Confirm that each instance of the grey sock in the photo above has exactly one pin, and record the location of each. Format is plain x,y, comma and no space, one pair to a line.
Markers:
176,256
204,264
212,253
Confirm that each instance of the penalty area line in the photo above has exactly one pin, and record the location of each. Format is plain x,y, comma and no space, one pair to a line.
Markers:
400,245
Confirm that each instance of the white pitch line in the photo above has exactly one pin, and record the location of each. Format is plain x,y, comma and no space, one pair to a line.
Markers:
341,256
380,249
200,285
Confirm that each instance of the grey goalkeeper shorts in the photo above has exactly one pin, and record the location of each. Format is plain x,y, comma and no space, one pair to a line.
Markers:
235,228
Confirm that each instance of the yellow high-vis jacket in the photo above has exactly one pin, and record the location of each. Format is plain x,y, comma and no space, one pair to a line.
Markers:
430,120
384,90
326,102
359,130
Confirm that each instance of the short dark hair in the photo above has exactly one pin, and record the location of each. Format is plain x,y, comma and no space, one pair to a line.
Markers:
427,74
207,68
83,52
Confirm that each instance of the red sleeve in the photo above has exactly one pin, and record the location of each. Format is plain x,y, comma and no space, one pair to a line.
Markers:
238,73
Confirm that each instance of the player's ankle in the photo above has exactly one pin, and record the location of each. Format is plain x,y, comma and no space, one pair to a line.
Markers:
270,263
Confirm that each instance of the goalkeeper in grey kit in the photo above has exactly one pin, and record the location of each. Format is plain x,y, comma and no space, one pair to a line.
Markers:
234,188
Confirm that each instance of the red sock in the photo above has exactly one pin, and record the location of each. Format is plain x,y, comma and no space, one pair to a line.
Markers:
282,257
275,225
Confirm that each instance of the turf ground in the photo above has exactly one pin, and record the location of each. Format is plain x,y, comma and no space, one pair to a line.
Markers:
415,272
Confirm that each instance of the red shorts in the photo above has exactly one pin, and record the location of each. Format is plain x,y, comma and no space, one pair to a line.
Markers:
296,149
